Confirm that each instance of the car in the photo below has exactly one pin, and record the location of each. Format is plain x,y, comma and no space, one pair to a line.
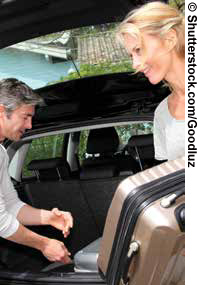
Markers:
88,136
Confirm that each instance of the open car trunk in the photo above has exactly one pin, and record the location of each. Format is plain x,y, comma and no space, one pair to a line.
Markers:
133,196
116,98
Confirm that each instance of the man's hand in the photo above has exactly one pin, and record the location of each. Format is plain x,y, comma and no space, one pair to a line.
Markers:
55,250
52,249
61,220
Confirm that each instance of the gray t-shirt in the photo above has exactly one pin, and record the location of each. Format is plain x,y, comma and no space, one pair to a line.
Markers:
169,134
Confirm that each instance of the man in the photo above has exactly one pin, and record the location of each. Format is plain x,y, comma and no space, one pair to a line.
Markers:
17,107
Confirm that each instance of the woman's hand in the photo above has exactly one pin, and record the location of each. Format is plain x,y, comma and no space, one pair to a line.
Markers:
61,220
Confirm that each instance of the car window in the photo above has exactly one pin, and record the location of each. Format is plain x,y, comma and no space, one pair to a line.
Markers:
43,148
124,133
66,55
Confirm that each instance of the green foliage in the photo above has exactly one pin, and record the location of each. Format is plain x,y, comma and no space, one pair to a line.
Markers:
126,131
87,70
102,68
179,4
42,148
82,145
93,30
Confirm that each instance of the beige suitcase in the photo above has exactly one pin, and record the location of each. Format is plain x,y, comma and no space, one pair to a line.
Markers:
144,235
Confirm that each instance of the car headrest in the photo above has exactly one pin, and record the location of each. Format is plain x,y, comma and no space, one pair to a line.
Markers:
141,145
141,140
102,141
50,168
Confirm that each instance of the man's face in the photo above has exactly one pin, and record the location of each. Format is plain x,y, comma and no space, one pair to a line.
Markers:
14,125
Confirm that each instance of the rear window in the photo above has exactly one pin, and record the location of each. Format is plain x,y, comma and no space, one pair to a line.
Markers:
43,148
124,132
54,145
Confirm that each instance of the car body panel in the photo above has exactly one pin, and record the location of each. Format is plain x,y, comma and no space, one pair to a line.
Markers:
40,17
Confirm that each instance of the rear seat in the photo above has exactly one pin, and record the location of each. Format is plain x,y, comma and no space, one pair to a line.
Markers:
100,172
99,178
103,149
103,170
53,180
141,149
54,187
50,169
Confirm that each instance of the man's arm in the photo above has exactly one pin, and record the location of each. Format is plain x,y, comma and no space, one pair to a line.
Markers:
52,249
59,219
14,213
13,230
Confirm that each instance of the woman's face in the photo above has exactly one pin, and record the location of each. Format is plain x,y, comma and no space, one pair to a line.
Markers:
158,58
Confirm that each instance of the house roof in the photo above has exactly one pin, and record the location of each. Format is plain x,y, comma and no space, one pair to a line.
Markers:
86,48
99,48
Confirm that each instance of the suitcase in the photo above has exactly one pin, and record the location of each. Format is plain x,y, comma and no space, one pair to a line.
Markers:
144,234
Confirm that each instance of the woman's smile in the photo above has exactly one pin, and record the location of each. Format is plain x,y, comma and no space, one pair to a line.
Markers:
154,57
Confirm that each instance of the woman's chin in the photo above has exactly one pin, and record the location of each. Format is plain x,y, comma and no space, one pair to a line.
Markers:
153,80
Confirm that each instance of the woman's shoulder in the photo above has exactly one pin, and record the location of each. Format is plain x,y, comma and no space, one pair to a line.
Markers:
2,153
162,108
2,150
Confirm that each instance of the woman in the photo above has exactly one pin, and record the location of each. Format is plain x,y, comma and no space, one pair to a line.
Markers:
154,36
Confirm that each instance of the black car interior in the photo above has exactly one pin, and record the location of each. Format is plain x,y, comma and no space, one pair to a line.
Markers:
87,195
50,169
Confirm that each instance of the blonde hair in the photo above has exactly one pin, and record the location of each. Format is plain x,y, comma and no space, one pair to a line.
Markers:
154,18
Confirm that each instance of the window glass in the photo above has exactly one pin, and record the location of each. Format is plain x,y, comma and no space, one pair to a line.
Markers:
82,145
42,148
124,133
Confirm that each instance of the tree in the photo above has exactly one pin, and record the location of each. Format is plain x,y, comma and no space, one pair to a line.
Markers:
179,4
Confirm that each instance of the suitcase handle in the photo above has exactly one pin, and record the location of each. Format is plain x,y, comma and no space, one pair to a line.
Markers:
166,202
133,250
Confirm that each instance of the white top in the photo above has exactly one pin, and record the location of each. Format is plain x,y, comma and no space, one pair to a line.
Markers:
10,204
169,134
